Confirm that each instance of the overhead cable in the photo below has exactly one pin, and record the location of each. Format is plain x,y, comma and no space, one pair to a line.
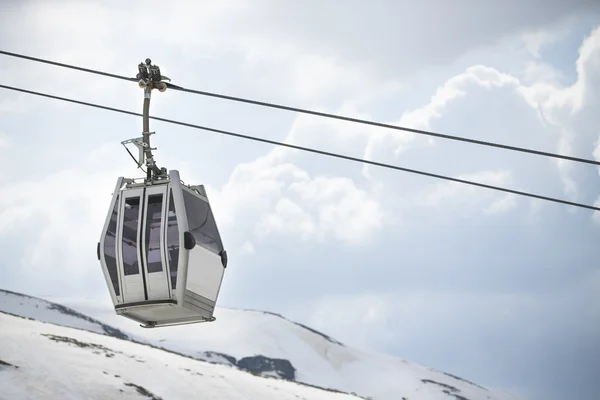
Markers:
317,113
307,149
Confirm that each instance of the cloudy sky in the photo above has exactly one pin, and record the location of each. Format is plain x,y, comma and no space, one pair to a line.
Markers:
499,289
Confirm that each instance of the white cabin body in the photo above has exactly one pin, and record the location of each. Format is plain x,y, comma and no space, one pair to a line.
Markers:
161,252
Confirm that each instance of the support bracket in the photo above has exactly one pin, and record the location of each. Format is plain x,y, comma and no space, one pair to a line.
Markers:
141,146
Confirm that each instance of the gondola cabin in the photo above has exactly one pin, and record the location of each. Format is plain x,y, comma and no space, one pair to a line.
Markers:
161,252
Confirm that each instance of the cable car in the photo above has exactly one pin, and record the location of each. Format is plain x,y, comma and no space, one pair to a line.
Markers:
160,249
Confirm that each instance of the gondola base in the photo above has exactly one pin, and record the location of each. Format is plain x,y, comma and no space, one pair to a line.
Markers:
159,313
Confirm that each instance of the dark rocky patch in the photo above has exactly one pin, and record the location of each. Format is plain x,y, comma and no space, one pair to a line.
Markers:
333,390
457,396
97,348
143,391
464,380
15,315
229,358
261,364
328,338
6,364
193,372
324,336
449,389
452,388
257,365
15,293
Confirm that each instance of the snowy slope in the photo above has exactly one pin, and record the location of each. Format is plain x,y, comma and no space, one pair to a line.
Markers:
45,311
317,359
272,345
44,361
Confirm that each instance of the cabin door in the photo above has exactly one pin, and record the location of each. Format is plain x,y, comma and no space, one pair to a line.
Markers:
128,253
140,253
154,219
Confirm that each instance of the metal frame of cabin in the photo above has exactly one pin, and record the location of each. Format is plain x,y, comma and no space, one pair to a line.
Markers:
161,252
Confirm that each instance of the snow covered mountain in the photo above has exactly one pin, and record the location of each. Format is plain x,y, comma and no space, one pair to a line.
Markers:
42,361
270,345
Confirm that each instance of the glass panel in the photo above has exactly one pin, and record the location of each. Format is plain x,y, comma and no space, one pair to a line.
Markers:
153,223
110,248
172,241
131,214
201,223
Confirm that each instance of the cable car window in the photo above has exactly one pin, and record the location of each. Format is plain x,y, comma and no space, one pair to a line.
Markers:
110,248
201,223
172,241
131,214
153,223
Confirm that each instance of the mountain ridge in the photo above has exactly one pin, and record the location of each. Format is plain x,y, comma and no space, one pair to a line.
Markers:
268,344
42,360
109,330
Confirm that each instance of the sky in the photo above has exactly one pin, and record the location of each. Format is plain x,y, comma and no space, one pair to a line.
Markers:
499,289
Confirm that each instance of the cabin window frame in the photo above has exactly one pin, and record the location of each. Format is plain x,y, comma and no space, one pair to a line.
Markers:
201,222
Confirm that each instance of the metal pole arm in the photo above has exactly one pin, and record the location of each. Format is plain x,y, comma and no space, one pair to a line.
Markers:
149,78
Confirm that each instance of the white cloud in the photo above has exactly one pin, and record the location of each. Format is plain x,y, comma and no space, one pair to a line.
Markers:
422,117
60,217
248,248
5,141
363,319
596,215
347,212
597,151
378,142
277,197
560,102
455,88
541,72
536,40
566,107
445,191
502,205
287,217
560,110
284,198
255,186
10,217
309,79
